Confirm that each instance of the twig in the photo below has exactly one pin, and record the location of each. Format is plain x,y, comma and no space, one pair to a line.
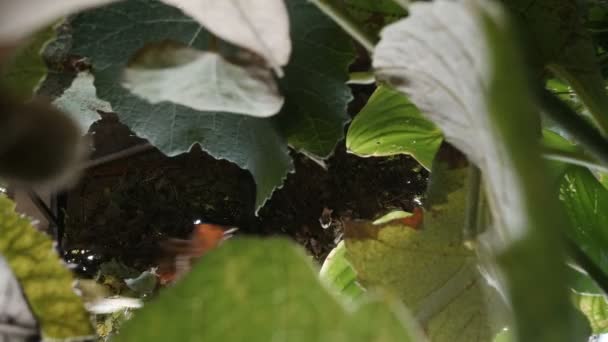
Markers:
118,155
364,77
471,228
573,157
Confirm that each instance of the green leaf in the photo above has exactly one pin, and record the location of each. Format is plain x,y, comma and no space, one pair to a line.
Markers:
586,203
314,86
24,72
373,15
80,102
261,290
390,124
204,81
595,307
316,96
339,274
46,282
470,81
430,269
559,42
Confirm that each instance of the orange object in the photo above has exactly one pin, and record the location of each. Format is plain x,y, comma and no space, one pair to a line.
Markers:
415,220
181,254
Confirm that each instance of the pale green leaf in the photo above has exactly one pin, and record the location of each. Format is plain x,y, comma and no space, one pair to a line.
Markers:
595,307
203,81
46,282
339,274
261,290
389,124
429,269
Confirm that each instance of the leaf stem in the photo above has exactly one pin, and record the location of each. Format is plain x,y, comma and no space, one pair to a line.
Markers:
573,157
471,228
348,24
580,129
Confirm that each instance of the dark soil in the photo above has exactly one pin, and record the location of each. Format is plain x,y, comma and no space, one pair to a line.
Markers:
123,209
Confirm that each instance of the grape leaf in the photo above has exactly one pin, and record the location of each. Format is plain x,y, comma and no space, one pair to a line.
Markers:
429,269
460,65
203,81
389,124
595,307
262,27
80,102
261,290
46,282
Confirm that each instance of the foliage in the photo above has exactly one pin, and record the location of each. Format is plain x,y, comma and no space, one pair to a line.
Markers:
505,238
46,282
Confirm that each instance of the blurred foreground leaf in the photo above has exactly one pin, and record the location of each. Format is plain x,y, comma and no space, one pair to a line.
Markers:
46,282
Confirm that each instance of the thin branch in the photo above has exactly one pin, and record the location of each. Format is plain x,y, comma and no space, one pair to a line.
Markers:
363,77
119,155
348,24
473,197
581,130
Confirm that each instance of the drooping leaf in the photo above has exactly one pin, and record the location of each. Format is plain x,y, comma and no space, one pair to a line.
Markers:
203,81
262,27
339,274
26,69
389,124
261,290
558,41
430,269
17,324
586,203
46,282
470,81
80,102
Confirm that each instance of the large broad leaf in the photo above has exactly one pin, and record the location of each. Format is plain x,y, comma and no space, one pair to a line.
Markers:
586,202
262,27
80,102
261,290
204,81
16,320
557,40
429,268
46,282
458,63
389,124
316,96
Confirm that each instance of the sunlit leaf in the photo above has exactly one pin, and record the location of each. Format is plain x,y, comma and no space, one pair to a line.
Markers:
595,307
430,269
46,282
470,81
389,124
339,274
261,290
203,81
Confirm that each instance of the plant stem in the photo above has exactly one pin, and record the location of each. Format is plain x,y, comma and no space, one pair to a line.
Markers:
587,264
581,130
348,24
573,157
363,77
